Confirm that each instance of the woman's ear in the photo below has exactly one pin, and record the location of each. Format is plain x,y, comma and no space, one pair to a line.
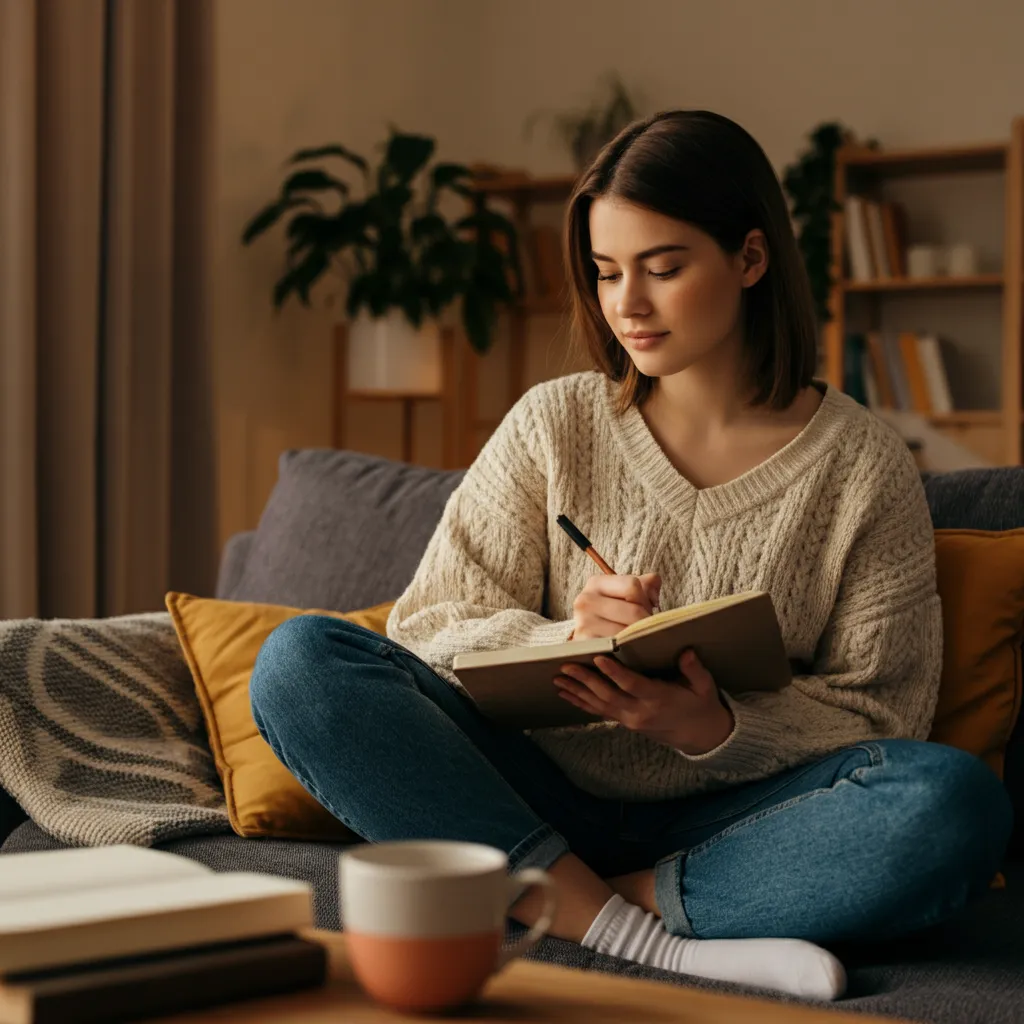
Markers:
754,257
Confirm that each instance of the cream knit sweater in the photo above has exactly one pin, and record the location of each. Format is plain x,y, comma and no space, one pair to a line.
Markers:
834,526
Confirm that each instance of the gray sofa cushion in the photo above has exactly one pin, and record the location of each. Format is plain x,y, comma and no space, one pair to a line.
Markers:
342,530
966,972
233,560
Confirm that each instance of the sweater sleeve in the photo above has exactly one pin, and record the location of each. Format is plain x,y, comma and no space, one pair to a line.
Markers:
877,665
481,583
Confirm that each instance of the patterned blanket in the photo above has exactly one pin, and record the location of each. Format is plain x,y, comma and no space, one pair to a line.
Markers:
101,735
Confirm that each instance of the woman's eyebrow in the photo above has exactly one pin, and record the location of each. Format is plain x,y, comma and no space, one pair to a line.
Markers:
646,254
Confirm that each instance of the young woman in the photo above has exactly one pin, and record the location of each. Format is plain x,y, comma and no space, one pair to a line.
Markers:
714,835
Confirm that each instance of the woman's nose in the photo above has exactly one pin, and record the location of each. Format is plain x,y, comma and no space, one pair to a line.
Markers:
632,299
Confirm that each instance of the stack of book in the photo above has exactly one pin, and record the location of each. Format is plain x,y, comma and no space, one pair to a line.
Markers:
906,372
876,239
123,933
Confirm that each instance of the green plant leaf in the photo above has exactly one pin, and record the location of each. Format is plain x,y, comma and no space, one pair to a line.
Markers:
334,150
266,218
430,225
478,319
406,156
448,176
312,181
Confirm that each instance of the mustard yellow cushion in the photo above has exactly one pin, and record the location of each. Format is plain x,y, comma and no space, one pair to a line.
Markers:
981,584
220,640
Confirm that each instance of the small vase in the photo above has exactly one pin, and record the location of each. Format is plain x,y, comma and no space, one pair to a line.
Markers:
388,354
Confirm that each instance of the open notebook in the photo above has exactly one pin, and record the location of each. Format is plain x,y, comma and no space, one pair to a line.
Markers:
736,637
70,906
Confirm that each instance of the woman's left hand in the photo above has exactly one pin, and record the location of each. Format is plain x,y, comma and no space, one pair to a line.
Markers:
685,713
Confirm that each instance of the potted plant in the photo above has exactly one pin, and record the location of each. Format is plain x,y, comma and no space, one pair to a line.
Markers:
810,184
586,131
404,262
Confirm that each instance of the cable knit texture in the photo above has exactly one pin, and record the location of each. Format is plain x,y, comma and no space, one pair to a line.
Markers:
835,527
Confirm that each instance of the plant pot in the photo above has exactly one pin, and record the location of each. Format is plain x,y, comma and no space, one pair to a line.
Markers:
388,354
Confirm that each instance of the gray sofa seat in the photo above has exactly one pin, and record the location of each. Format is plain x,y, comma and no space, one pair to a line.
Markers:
344,530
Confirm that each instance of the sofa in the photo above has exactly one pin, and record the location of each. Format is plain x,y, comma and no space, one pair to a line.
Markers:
344,530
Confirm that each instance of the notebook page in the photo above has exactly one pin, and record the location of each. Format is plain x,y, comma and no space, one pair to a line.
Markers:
28,875
644,626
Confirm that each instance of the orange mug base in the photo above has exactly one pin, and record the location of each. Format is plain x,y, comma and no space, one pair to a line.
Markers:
426,974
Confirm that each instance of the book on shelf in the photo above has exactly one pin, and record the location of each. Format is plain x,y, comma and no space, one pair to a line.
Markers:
736,637
875,239
62,907
906,373
158,984
894,230
858,246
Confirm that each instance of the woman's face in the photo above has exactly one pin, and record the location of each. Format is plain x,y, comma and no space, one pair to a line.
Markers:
669,292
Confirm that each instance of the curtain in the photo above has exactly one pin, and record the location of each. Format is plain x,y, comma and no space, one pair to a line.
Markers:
107,476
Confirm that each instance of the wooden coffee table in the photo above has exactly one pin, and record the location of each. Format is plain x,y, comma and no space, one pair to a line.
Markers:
525,991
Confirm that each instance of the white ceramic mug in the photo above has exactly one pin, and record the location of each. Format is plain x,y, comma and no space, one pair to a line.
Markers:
924,261
962,260
424,920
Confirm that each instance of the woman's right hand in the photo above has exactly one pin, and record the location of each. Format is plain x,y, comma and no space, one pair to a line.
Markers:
607,603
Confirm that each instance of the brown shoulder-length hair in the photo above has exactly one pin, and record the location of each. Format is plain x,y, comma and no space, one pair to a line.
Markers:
702,168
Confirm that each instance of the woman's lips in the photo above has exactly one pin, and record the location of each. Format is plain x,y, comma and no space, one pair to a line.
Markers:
641,344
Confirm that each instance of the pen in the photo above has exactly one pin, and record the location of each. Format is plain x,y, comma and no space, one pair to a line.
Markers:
577,536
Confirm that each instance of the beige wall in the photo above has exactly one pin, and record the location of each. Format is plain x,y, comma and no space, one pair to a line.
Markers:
293,73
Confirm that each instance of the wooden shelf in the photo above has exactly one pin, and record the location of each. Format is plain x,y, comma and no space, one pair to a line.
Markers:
941,160
966,418
993,434
391,396
911,284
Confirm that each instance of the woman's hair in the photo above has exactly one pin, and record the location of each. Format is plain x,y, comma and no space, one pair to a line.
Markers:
704,169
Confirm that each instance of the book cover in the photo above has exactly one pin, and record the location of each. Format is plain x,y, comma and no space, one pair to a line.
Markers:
897,374
737,637
858,248
853,368
930,354
894,229
873,396
134,988
876,238
61,907
920,401
880,370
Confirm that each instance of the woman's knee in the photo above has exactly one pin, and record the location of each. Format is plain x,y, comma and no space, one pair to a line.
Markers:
299,660
957,809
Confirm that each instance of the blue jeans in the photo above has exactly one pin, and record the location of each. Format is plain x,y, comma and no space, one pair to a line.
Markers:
873,841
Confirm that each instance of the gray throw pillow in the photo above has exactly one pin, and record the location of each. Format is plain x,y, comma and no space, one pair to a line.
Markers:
342,530
102,738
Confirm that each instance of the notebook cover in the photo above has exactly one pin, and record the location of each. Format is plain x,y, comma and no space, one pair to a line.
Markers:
134,988
741,645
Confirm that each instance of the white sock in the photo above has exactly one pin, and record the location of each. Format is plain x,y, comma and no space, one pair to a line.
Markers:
788,965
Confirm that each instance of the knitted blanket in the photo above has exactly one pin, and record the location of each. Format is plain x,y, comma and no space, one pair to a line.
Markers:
101,736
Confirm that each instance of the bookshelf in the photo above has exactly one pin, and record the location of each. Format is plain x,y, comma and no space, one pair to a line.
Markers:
994,434
523,193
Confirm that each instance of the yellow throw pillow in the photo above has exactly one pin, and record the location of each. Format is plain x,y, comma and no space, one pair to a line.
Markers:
981,584
220,640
